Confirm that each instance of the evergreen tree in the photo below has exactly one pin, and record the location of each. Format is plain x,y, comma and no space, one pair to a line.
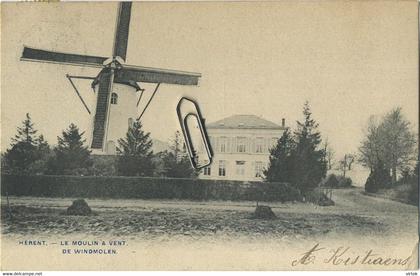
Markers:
309,160
280,168
71,155
176,161
299,159
43,155
135,153
26,133
28,152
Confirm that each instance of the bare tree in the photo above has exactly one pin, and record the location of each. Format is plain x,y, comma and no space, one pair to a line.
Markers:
399,141
346,163
329,154
369,150
389,141
349,160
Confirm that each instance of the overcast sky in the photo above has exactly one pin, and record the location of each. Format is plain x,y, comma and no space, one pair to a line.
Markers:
348,59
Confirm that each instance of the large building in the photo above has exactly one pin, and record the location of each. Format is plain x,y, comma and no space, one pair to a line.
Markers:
241,146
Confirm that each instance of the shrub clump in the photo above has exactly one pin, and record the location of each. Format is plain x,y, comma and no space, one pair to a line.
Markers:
378,178
333,181
318,197
274,192
145,188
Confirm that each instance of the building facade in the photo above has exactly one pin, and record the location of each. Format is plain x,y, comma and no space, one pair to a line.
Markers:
241,145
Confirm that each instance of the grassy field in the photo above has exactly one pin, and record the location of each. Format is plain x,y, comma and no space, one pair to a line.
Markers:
200,226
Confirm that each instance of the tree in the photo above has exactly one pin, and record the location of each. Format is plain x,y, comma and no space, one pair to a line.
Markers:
349,160
414,186
329,154
280,168
389,141
309,161
43,155
72,157
378,178
342,165
399,141
176,161
371,146
346,163
299,158
28,152
135,154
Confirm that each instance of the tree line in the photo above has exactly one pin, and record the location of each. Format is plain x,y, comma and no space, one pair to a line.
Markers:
29,153
388,149
299,158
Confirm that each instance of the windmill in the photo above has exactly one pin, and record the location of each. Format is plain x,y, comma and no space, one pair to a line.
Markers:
107,124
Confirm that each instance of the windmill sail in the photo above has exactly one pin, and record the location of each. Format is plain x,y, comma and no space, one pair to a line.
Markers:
155,75
32,54
107,76
121,32
99,123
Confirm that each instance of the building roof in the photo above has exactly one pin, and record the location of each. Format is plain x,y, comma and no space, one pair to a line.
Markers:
244,121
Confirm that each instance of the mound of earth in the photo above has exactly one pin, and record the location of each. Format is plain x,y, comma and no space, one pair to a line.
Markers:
264,212
79,208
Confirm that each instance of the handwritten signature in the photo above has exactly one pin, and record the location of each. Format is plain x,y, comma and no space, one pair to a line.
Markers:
343,256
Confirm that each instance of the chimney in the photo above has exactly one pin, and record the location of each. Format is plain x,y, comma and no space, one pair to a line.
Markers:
283,122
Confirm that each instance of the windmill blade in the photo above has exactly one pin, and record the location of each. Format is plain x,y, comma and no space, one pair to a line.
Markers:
106,79
32,54
156,75
121,32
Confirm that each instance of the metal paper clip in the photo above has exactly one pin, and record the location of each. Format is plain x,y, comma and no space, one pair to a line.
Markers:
195,135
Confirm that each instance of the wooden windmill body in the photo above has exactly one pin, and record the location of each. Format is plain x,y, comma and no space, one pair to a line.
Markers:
116,86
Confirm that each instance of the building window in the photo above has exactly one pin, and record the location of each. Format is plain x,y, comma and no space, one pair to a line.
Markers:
222,144
258,169
207,170
241,144
240,167
259,145
222,168
114,98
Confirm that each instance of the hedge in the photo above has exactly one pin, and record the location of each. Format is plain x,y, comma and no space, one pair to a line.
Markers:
145,188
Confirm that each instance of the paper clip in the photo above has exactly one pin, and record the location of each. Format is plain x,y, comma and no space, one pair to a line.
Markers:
195,135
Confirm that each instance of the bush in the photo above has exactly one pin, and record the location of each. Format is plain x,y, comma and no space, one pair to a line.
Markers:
413,196
103,165
412,179
378,179
333,181
274,191
344,182
318,197
145,188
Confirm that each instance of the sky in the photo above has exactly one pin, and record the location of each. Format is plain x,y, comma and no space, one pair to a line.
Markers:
349,59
